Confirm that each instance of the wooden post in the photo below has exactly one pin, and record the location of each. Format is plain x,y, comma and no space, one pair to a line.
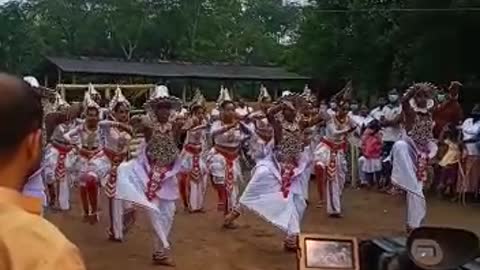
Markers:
74,78
63,93
45,80
59,74
184,93
108,93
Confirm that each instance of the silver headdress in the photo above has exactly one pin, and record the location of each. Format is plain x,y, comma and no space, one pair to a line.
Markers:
88,101
161,97
224,96
118,97
307,95
264,95
198,99
60,102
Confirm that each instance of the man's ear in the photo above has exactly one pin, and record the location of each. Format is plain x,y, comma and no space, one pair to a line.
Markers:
33,146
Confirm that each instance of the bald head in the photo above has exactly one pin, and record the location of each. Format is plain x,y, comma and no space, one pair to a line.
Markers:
20,113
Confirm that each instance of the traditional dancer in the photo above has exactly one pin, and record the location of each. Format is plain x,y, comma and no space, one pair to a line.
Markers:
223,159
117,137
261,142
193,178
275,191
56,177
410,155
150,180
83,165
34,186
330,162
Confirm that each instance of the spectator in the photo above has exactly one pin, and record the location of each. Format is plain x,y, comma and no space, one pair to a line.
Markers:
27,241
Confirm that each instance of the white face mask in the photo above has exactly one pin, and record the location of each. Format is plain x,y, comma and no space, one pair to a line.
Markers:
393,98
333,105
441,98
354,107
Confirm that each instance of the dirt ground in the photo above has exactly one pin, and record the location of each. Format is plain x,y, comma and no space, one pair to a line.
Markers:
199,242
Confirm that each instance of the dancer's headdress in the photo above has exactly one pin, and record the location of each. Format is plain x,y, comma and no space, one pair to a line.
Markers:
307,95
198,100
59,101
293,100
264,95
88,101
118,98
224,96
161,97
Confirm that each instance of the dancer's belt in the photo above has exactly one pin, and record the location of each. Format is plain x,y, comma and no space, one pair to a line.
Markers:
63,150
335,146
116,159
88,153
332,163
230,157
195,150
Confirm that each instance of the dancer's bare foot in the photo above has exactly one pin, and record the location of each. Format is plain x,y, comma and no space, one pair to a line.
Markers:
162,259
319,204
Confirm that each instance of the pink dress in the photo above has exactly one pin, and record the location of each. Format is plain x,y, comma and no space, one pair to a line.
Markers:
372,151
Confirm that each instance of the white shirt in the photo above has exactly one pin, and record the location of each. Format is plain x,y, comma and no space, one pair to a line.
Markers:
394,133
330,112
376,113
359,121
470,130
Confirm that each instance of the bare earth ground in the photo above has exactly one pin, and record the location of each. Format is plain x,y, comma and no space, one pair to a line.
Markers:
199,242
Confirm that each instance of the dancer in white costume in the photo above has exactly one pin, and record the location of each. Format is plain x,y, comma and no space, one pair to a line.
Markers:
56,177
150,180
310,138
404,158
410,155
83,165
115,150
35,184
223,159
261,140
329,155
194,175
275,191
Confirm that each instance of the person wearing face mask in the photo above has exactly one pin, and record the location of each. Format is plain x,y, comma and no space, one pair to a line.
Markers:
21,154
469,183
377,112
392,129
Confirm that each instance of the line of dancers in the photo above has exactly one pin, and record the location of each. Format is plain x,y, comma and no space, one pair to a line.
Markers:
137,162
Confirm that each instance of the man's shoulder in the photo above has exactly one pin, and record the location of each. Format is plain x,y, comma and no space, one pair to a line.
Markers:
23,226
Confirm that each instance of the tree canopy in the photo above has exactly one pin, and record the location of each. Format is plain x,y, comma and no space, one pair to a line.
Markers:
378,44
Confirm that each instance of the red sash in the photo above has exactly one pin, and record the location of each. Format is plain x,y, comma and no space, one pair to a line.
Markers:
195,150
63,150
115,159
157,176
287,172
230,157
334,149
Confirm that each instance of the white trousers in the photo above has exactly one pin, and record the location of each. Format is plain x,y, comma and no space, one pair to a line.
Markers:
162,222
196,196
416,210
63,194
117,218
334,193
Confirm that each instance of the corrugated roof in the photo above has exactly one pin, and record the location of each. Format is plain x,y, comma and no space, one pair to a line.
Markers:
173,70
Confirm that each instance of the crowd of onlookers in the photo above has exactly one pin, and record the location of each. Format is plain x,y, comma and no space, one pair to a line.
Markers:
453,172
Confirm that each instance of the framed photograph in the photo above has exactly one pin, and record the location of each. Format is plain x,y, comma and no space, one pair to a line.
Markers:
327,252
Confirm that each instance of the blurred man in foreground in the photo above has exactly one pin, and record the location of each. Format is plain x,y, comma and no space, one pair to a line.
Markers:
27,241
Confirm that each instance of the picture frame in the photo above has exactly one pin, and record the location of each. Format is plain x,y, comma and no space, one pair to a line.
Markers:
328,252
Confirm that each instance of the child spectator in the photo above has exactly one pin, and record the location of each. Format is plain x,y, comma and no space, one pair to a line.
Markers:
449,162
372,153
